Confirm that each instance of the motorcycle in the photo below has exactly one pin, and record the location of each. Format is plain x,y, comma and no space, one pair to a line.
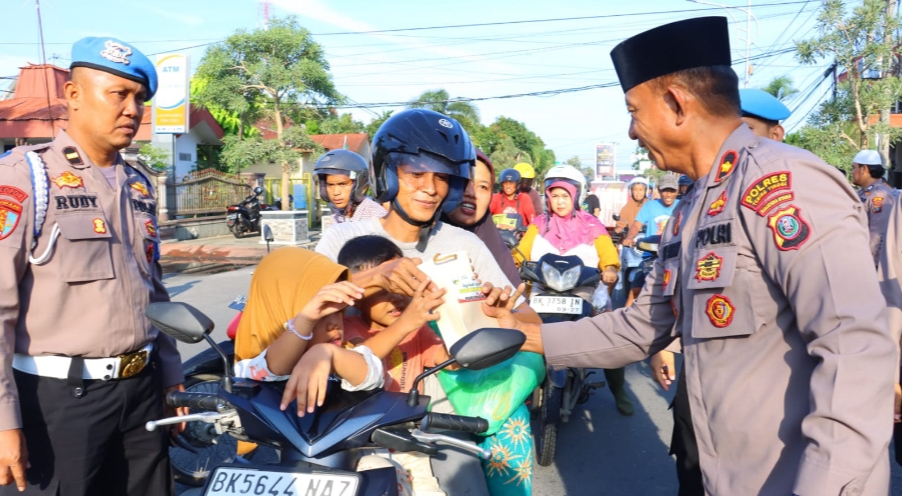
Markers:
320,451
244,217
562,280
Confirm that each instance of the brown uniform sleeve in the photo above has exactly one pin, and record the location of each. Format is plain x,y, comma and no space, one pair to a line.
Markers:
814,248
615,339
173,373
889,270
15,177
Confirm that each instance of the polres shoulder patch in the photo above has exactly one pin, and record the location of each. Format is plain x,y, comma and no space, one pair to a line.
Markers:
764,186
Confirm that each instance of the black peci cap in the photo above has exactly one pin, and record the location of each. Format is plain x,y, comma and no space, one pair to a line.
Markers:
681,45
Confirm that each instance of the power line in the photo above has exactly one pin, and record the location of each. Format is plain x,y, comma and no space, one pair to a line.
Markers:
559,19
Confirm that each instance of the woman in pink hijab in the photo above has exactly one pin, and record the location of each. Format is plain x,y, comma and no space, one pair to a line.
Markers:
566,230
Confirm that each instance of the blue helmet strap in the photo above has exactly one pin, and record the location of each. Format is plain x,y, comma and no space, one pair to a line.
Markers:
425,226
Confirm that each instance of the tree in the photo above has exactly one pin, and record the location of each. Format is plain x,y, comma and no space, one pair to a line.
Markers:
343,124
507,155
376,123
522,139
440,101
856,41
578,165
780,87
268,73
156,157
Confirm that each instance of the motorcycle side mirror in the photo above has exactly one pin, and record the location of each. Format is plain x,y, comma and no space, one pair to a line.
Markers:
188,325
649,244
509,238
179,320
616,217
268,236
478,350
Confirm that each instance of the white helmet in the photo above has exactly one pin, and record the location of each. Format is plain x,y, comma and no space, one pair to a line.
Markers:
637,180
569,174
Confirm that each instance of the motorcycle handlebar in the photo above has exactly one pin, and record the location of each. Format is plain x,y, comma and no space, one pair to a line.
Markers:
441,421
207,402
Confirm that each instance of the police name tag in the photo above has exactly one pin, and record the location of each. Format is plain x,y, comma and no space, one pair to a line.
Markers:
572,305
229,481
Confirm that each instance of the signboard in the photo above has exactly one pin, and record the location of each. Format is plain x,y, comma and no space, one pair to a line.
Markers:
604,160
170,103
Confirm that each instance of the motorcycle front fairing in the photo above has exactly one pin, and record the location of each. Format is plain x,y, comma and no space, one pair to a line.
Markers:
344,422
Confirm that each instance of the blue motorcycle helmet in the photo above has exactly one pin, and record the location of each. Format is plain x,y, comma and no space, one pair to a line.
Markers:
346,163
509,175
429,141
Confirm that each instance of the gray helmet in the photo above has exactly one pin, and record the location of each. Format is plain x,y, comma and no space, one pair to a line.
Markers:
345,163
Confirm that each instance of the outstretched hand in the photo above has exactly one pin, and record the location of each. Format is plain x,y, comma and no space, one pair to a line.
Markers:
403,276
500,303
663,370
309,379
330,299
421,308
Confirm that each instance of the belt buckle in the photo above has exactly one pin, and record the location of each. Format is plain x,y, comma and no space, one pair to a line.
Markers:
132,364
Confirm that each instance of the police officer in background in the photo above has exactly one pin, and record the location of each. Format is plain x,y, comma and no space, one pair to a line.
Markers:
878,197
762,113
81,368
789,360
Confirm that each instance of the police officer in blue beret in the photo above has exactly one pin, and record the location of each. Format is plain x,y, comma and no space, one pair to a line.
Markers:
81,368
762,112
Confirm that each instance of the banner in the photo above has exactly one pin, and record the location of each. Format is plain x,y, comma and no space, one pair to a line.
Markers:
171,104
604,160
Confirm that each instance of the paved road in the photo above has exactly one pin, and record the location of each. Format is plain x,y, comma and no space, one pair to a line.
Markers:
600,452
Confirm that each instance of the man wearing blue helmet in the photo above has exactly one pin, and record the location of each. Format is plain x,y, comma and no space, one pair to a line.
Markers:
81,367
421,166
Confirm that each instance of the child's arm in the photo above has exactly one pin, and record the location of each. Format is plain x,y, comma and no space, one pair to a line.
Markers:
359,369
284,353
608,259
416,315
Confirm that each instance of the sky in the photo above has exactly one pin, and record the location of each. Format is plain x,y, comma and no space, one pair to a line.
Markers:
536,51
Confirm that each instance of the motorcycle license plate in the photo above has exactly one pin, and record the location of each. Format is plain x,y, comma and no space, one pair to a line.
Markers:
234,481
557,304
232,216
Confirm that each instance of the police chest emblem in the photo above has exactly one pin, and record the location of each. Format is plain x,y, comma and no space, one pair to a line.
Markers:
877,205
790,230
151,250
720,311
116,52
727,165
763,187
676,223
99,226
151,228
139,187
667,276
68,180
708,267
718,205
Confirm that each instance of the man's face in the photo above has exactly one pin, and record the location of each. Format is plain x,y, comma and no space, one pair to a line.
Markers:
859,174
668,196
509,188
652,123
525,184
106,107
764,129
338,187
421,193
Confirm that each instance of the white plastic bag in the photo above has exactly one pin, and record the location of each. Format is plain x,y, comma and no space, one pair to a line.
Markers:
601,300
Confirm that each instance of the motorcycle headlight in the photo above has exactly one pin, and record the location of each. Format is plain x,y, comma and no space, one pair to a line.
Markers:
558,281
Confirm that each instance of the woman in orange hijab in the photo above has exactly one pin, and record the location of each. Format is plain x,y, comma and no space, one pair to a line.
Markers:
291,328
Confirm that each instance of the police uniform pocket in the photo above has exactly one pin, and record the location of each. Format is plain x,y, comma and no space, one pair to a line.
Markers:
84,248
722,299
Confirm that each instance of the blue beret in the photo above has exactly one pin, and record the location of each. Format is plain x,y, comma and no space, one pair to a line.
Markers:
759,103
116,57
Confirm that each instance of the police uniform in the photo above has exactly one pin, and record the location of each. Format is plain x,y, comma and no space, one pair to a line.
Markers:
889,270
878,200
789,362
82,368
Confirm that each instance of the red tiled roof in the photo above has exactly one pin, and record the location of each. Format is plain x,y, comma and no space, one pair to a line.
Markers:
355,141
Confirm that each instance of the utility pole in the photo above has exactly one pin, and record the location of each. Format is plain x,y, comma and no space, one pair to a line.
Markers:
748,31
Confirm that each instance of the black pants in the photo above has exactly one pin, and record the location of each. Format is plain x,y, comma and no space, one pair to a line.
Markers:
94,444
683,445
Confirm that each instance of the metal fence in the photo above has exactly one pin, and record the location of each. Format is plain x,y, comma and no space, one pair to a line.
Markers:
208,191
